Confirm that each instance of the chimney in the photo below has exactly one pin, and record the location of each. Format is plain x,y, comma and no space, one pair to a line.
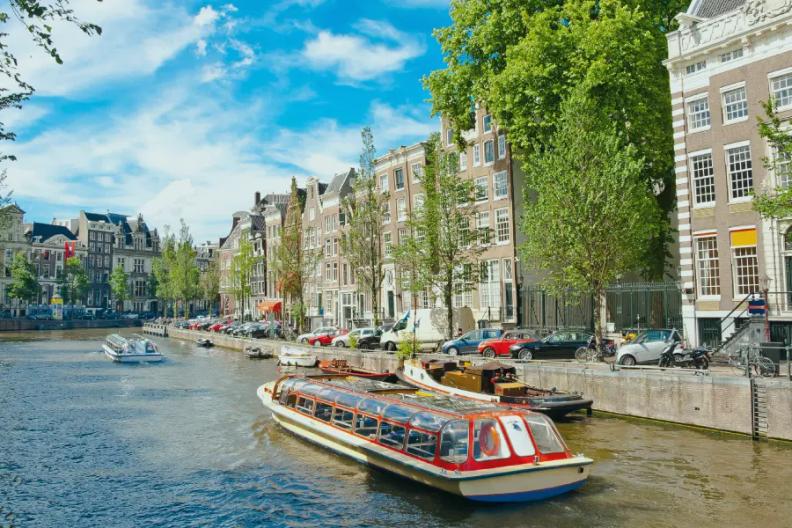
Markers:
258,198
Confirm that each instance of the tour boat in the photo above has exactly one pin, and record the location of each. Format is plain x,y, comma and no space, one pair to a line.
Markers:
340,366
133,349
490,382
295,357
258,352
478,450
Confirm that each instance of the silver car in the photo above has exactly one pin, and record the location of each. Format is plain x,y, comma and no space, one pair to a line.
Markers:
647,347
343,340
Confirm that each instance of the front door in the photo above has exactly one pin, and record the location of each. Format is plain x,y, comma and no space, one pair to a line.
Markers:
391,306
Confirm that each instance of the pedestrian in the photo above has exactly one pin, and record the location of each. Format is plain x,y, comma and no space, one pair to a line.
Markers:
459,332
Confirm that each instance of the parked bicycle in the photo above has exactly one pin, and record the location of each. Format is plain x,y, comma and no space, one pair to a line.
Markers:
593,352
752,362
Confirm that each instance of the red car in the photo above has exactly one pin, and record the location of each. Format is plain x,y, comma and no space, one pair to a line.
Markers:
499,346
219,326
325,338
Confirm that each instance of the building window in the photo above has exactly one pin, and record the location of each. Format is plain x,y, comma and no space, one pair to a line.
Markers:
401,209
335,247
703,179
507,288
417,171
501,146
384,183
335,271
387,244
139,265
483,227
449,136
781,88
418,202
398,177
735,105
328,249
462,161
698,114
731,55
746,270
502,225
695,67
489,152
489,288
476,155
707,267
486,123
500,185
783,168
738,161
481,189
402,235
386,217
312,214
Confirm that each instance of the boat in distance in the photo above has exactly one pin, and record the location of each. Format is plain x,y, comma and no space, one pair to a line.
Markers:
477,450
132,349
493,382
296,357
341,366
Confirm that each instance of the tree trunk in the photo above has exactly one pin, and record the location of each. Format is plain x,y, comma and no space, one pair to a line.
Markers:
448,294
374,303
599,294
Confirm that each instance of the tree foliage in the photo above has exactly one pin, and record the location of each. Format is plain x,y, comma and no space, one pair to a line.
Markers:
24,279
119,286
441,254
210,283
161,269
242,266
522,60
775,201
361,242
591,214
175,271
73,281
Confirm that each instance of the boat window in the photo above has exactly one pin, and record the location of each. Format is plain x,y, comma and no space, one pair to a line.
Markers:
545,436
372,406
347,400
323,411
305,405
343,418
488,441
366,425
518,435
391,435
397,413
421,444
428,421
454,442
329,394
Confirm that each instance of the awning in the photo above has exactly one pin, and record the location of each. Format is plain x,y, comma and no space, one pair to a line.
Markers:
268,306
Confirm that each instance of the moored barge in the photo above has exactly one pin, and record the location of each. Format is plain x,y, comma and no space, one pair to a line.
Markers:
480,451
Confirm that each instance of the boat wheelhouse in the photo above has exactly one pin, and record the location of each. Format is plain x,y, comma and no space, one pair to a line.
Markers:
132,349
492,381
480,451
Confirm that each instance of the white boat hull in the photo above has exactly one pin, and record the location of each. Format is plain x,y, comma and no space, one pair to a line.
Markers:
131,358
294,357
527,482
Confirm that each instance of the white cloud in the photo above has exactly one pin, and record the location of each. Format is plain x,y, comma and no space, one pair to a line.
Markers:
200,48
206,16
17,119
354,58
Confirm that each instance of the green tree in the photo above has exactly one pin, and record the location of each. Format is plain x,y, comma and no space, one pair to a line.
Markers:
775,202
184,273
522,60
119,287
242,266
210,283
591,214
73,281
441,255
161,268
24,280
361,242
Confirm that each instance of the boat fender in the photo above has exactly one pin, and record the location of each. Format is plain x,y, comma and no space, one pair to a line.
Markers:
489,442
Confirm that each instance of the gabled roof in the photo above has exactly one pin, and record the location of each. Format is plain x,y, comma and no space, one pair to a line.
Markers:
338,182
42,232
14,208
713,8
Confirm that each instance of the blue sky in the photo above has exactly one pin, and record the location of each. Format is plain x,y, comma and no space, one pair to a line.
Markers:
185,109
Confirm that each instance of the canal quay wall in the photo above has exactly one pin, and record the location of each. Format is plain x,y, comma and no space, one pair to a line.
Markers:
22,324
715,401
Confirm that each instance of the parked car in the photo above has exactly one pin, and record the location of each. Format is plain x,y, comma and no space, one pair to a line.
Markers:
325,338
499,346
558,345
230,329
358,333
303,338
647,347
372,342
468,343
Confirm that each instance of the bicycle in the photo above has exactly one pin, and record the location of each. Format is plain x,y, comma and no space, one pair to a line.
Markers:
593,352
753,362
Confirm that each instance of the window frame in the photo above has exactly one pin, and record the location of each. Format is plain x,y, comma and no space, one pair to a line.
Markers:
689,116
477,155
730,174
736,283
396,176
708,267
730,89
772,77
491,144
484,121
694,179
501,145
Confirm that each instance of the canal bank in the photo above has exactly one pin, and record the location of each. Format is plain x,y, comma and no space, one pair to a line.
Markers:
23,325
759,407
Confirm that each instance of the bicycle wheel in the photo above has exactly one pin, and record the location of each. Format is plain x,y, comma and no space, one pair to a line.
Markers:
581,354
765,367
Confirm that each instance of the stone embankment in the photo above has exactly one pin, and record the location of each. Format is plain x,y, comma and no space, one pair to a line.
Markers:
22,324
720,401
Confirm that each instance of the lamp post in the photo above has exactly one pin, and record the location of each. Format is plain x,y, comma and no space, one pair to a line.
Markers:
764,282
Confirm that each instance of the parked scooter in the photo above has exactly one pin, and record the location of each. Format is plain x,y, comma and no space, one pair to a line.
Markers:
667,357
698,358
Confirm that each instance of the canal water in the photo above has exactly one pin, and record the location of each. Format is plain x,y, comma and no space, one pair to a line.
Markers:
85,442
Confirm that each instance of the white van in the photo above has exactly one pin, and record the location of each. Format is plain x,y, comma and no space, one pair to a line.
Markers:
429,326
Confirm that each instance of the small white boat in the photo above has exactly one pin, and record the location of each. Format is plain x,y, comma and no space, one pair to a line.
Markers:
295,357
133,349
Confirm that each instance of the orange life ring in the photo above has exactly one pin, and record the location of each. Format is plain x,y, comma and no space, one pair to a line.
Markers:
489,443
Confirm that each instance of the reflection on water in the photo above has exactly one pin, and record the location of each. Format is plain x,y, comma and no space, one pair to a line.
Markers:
85,442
